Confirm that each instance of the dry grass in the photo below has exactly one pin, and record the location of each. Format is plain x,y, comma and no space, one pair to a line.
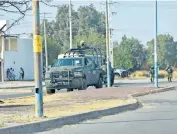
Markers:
144,74
2,124
139,74
29,100
56,105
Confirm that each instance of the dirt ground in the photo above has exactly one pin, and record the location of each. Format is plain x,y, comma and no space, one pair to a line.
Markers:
22,110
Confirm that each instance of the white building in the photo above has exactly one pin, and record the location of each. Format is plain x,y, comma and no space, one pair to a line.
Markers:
18,52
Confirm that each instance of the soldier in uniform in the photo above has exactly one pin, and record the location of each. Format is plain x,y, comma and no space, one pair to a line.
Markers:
169,71
82,44
104,68
151,72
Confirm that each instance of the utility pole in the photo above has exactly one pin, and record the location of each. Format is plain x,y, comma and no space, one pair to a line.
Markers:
37,59
46,48
2,57
107,48
110,36
70,23
155,48
110,13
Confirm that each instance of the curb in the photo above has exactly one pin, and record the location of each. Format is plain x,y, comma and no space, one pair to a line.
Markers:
154,91
17,87
68,120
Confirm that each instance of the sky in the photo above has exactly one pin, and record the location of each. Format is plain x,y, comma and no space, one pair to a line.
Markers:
133,18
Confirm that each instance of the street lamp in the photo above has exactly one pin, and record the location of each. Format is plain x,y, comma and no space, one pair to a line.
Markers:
155,48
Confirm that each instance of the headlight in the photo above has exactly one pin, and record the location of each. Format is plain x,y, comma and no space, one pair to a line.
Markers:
78,74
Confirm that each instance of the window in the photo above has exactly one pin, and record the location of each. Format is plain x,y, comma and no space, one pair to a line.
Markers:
10,44
68,62
6,47
88,62
14,46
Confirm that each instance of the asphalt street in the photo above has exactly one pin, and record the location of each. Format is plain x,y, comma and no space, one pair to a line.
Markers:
157,116
118,83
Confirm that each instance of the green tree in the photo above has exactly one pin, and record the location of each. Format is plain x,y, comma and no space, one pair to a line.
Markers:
167,51
53,50
129,54
93,39
89,18
87,24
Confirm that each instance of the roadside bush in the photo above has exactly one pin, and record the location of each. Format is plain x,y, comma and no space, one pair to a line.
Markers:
139,74
145,74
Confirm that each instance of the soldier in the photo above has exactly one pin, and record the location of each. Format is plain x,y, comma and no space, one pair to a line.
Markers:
151,71
82,44
104,68
170,71
112,74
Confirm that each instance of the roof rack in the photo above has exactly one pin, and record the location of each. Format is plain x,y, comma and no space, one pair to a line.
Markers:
81,51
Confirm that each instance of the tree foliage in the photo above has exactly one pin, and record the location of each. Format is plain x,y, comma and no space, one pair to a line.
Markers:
167,51
87,24
129,54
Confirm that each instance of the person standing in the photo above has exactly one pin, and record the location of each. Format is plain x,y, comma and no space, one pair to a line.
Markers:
104,73
7,73
169,71
151,72
21,73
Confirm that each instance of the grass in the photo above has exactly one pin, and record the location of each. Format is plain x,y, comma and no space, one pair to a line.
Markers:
57,105
145,74
2,124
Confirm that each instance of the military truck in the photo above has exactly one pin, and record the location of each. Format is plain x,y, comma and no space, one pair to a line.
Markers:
76,70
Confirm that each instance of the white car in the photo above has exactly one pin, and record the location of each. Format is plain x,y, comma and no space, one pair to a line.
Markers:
121,73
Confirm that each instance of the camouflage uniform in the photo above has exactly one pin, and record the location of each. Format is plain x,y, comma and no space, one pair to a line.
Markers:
151,71
170,71
104,68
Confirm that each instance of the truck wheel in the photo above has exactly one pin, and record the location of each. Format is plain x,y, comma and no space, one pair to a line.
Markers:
50,91
84,84
70,89
100,83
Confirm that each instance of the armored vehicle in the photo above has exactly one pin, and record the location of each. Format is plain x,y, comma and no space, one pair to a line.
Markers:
75,70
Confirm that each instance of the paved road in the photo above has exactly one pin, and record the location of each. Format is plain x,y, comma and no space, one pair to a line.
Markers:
158,116
119,83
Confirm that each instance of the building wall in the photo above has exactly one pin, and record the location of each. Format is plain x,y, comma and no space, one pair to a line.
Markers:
21,57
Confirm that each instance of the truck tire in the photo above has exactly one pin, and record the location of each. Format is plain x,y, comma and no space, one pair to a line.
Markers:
70,89
50,91
100,83
84,84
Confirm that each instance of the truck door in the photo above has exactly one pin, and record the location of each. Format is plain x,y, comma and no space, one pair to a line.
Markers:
88,70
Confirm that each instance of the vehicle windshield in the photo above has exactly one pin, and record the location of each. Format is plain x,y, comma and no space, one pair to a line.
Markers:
68,62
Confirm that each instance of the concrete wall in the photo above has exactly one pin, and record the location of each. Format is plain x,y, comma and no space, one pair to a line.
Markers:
23,57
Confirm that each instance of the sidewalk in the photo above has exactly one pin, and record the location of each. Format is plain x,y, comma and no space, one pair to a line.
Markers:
17,84
21,110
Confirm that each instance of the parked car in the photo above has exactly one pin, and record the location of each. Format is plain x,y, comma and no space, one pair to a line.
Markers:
121,73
